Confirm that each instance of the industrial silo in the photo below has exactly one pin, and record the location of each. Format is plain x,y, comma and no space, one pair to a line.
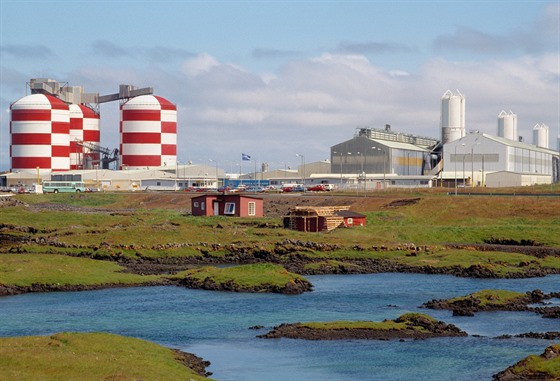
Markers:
148,132
452,116
84,131
39,129
507,125
540,135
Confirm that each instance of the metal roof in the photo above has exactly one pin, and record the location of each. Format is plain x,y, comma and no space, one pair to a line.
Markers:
400,145
517,144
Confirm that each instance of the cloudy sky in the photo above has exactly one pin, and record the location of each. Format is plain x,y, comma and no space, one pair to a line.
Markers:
276,78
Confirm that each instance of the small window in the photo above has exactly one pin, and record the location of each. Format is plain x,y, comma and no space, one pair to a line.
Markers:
350,221
252,208
196,204
202,205
158,183
229,208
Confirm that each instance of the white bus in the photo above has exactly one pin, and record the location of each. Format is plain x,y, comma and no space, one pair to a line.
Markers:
63,186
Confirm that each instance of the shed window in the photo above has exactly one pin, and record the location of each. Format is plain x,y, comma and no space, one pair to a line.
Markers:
196,204
202,205
229,208
252,208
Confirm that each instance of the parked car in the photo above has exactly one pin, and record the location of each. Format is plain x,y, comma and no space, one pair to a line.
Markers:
254,189
294,188
317,188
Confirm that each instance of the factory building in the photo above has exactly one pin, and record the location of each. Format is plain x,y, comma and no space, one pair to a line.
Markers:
477,160
379,158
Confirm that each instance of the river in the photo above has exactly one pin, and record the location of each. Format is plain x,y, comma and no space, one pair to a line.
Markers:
215,326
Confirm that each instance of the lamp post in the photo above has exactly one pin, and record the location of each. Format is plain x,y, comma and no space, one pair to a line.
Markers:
472,167
364,172
96,177
482,181
462,145
472,164
217,180
384,166
464,170
303,171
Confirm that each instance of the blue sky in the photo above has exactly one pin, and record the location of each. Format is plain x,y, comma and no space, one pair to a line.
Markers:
276,78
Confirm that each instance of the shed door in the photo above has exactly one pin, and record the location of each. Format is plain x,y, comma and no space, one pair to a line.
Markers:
216,206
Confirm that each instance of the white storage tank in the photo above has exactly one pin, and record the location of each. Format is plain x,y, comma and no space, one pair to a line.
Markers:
84,127
452,117
39,130
540,135
507,125
148,132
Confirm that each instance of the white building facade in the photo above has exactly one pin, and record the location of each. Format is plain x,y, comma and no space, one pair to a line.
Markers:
471,158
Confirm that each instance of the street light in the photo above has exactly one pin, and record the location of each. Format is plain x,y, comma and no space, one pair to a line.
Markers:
303,172
472,164
217,180
463,144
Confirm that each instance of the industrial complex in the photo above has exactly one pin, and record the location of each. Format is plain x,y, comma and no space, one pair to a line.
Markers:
55,136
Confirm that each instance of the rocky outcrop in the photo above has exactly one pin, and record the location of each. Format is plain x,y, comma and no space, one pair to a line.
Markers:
293,287
468,306
416,326
525,369
6,290
534,335
197,364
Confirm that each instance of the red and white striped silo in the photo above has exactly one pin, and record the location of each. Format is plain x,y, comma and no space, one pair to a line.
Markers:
40,134
84,127
148,132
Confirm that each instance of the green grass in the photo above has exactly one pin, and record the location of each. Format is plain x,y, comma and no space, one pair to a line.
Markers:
436,219
492,297
387,325
404,322
245,276
26,269
89,357
501,263
534,364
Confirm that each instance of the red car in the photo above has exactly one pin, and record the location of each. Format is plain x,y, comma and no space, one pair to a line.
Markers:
317,188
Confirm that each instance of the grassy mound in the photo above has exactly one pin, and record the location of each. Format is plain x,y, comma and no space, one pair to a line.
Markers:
90,357
63,272
543,367
410,325
264,277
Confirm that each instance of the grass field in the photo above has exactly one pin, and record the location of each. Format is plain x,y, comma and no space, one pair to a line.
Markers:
61,270
89,357
109,226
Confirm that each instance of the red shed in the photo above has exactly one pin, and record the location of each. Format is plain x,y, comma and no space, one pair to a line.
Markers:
352,218
234,205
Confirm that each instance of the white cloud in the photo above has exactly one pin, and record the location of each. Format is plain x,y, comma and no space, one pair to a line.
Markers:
199,64
310,105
